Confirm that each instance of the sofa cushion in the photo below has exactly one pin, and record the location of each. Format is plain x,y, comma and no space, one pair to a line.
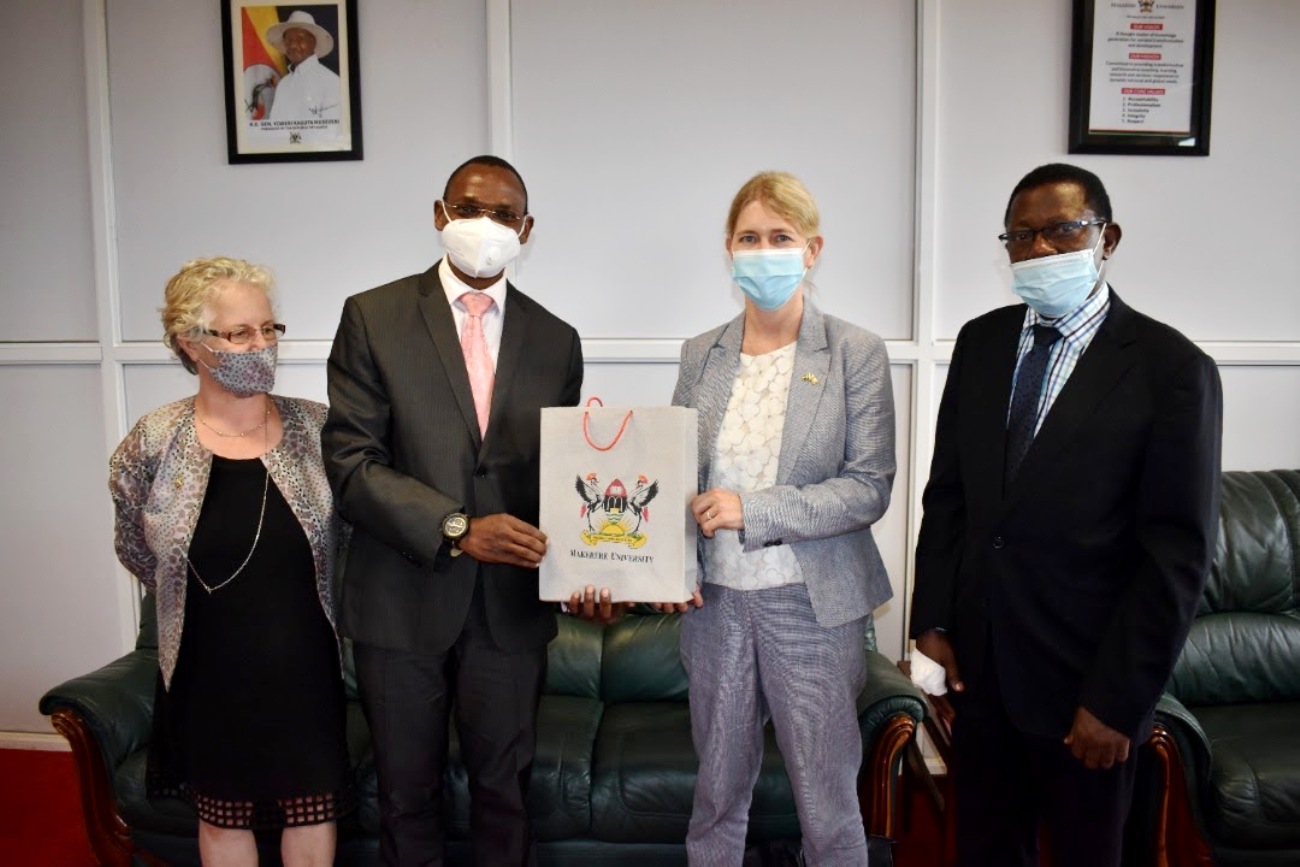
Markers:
1254,773
574,658
643,783
1256,552
1237,658
642,661
1241,646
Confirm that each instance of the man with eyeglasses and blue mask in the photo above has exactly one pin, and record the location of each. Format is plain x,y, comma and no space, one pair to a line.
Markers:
1069,523
436,385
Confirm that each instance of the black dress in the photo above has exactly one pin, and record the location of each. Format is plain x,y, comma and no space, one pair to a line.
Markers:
252,730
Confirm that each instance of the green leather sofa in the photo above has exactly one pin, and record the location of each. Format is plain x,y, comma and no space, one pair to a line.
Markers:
1226,750
612,783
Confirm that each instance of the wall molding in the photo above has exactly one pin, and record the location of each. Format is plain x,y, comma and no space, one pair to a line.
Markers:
50,353
33,741
596,350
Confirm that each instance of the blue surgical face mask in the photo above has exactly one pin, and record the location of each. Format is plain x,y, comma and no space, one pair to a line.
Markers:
768,277
1056,285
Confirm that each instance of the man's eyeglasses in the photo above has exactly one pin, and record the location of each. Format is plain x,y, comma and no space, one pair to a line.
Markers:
243,335
466,211
1057,232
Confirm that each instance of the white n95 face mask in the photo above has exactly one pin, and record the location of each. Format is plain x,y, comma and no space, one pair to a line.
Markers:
480,247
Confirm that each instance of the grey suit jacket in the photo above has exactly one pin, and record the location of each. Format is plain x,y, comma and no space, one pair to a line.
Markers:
836,467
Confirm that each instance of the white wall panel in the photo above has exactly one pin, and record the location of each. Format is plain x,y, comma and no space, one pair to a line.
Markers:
1003,102
635,124
327,229
47,289
149,386
58,618
629,384
891,532
1206,245
1261,414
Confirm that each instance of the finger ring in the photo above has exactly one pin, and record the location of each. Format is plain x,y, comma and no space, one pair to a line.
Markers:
709,514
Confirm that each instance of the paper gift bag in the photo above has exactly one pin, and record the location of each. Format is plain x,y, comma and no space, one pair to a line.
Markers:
616,486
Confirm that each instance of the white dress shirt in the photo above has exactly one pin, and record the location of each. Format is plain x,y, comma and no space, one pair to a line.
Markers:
493,320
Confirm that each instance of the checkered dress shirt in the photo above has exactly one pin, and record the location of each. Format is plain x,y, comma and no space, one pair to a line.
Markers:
1077,330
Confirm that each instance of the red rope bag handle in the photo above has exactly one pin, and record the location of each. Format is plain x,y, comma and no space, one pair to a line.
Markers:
586,431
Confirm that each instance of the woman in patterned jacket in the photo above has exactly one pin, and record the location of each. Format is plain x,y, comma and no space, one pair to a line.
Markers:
225,515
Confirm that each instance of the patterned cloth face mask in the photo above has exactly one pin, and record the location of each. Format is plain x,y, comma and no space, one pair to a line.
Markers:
244,374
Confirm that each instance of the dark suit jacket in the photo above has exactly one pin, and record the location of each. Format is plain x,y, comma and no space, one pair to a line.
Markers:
402,450
1085,573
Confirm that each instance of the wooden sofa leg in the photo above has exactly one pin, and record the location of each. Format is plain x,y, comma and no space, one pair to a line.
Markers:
1178,841
110,839
878,785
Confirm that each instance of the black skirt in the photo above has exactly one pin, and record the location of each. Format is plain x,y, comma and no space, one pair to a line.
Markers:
252,731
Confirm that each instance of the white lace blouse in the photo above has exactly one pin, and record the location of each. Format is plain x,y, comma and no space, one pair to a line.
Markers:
745,459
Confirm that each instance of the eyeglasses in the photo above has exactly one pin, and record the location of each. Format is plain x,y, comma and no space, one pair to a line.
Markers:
1054,233
243,335
466,211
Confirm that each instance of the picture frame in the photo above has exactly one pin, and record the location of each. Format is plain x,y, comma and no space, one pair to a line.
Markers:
1140,77
292,81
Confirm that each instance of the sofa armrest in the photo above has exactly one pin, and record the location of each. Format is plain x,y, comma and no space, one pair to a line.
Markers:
888,692
1193,744
115,703
889,709
1190,748
1168,824
106,716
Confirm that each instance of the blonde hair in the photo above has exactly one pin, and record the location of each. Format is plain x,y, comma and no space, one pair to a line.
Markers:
783,194
188,293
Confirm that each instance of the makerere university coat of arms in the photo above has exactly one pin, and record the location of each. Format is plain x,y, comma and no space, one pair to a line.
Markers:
616,514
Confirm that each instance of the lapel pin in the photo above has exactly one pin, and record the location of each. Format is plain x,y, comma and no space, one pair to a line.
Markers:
810,377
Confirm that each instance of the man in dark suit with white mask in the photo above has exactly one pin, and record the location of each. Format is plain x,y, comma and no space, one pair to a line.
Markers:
436,383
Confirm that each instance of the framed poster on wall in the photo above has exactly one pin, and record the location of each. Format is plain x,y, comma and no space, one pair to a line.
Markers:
1140,77
293,86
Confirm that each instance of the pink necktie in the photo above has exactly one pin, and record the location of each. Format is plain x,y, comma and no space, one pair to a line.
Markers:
478,362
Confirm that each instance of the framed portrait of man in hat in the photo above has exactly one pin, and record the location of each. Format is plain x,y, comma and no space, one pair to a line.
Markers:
293,85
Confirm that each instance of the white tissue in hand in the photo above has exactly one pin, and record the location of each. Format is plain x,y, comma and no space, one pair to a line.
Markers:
928,674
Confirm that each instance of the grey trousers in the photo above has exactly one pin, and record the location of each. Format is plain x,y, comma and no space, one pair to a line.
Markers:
757,654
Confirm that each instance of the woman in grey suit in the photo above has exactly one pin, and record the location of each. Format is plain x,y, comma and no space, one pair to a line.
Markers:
796,463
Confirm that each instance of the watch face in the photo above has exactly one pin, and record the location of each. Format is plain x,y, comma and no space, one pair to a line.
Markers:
455,526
